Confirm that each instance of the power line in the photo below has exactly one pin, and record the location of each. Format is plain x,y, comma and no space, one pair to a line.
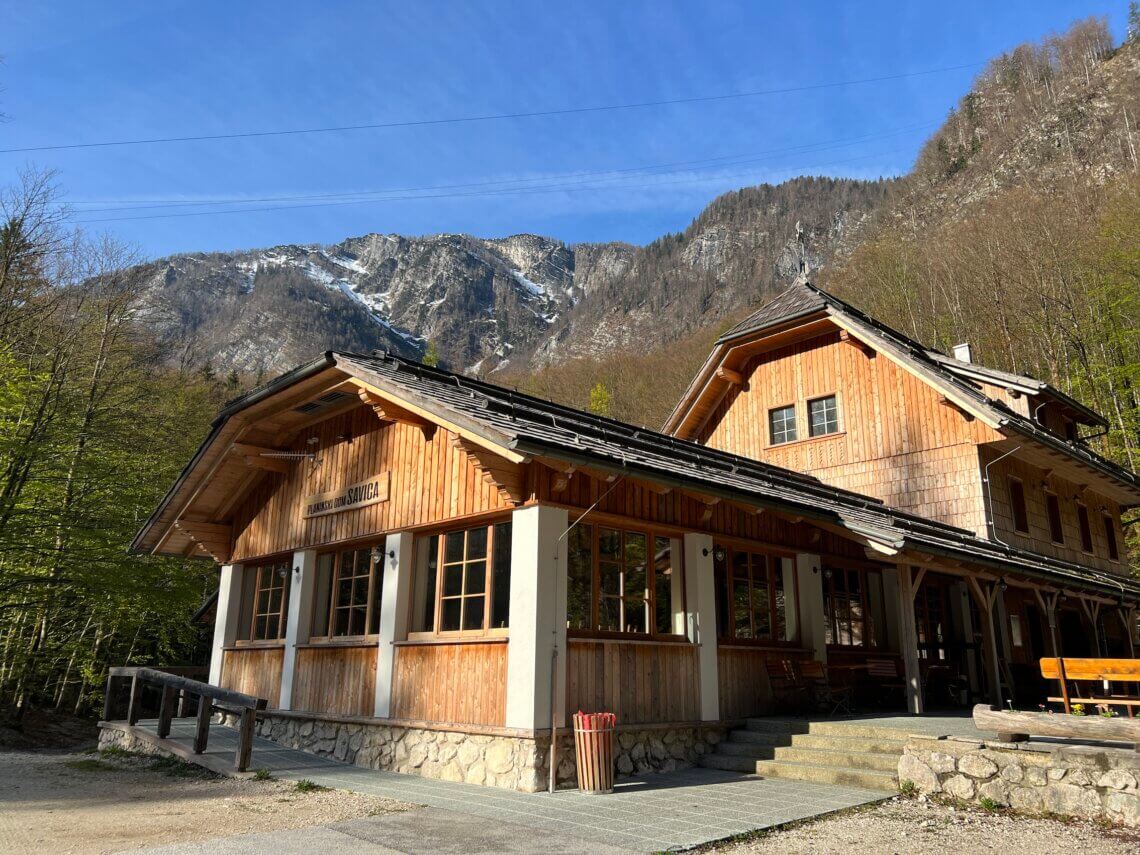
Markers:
635,105
521,191
125,205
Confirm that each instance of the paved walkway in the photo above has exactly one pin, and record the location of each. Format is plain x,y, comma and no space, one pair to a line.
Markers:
647,814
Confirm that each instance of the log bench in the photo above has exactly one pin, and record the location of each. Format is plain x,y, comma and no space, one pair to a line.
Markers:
1080,671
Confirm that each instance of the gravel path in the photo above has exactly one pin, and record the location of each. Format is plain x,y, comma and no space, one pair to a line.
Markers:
917,827
87,803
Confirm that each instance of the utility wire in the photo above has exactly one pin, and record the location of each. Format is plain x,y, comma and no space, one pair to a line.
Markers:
491,117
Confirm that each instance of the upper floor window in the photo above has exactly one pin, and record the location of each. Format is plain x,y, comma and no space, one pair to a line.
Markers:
626,581
1085,527
751,599
782,424
346,598
1017,506
265,601
1110,538
463,581
1053,511
823,416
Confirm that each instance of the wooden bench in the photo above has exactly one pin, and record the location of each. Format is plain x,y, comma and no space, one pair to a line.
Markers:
1080,671
785,680
884,674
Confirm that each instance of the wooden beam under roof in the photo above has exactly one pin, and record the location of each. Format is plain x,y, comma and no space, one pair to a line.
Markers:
388,411
505,475
214,538
733,378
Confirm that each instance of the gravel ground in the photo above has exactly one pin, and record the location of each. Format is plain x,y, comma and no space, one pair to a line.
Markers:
919,827
89,803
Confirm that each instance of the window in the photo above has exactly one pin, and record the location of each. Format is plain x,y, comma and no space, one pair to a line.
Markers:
346,601
463,582
853,607
1017,506
624,581
1110,538
782,424
1015,631
1053,511
750,595
1086,528
823,416
265,602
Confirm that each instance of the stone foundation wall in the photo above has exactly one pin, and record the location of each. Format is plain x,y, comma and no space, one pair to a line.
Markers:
1082,781
512,762
111,736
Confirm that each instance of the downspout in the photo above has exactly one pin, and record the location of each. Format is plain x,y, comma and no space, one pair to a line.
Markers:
990,495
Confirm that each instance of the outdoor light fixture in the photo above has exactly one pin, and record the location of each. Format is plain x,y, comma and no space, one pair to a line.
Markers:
282,571
720,554
1004,585
827,573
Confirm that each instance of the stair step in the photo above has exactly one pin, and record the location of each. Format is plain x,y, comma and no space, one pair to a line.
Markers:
837,727
848,743
756,737
875,761
867,778
776,725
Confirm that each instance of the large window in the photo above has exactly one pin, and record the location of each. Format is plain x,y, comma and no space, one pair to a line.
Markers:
1110,538
751,599
623,581
823,416
782,424
1085,528
463,582
265,602
853,607
1053,511
1017,506
347,595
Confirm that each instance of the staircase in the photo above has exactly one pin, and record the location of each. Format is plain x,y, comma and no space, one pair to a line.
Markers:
829,752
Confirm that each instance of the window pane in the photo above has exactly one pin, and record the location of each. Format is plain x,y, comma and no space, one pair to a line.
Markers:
781,600
477,543
741,609
823,416
636,581
740,565
720,580
609,544
609,613
501,577
663,584
341,623
636,615
453,548
782,424
475,581
473,612
449,612
610,575
425,585
580,570
761,614
452,580
322,594
377,590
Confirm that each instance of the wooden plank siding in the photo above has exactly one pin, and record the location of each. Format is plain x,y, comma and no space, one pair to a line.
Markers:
642,682
334,679
744,689
1036,483
254,671
896,440
462,683
431,481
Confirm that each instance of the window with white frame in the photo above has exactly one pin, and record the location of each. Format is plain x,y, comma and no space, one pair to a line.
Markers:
782,424
823,416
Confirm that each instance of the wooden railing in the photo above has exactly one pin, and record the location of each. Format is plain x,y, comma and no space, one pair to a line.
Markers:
175,692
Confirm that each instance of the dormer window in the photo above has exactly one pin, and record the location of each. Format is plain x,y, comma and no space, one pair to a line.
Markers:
823,416
782,424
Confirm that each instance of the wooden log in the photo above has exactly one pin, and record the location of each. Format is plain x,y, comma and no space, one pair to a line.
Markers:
216,692
245,739
202,729
166,710
1090,727
136,701
109,699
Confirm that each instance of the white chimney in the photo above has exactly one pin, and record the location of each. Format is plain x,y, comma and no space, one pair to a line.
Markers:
962,352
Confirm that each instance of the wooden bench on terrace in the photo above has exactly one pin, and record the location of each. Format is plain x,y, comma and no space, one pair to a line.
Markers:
1083,671
176,691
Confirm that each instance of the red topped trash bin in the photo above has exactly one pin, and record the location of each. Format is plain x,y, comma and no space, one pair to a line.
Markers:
594,747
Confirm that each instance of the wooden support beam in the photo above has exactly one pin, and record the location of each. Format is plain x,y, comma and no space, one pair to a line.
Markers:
387,411
857,343
908,640
216,539
986,596
733,378
965,414
505,475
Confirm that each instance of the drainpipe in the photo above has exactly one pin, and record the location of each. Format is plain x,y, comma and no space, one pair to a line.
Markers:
990,495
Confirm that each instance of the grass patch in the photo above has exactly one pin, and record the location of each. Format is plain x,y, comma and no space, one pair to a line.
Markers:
988,804
908,789
262,775
306,786
90,764
112,751
175,767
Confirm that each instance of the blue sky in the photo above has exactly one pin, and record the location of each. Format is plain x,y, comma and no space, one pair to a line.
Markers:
82,72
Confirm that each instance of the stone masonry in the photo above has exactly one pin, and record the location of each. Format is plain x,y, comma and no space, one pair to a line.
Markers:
1081,781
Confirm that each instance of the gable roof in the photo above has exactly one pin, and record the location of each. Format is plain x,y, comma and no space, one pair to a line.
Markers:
803,300
534,428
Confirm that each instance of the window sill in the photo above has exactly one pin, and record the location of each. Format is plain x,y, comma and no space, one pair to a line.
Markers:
427,642
340,642
759,644
804,441
620,638
256,645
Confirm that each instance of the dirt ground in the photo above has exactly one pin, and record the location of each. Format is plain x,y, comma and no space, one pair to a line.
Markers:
923,828
84,802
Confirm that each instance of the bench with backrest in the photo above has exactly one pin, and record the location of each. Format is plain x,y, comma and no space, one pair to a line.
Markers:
884,674
785,680
1081,673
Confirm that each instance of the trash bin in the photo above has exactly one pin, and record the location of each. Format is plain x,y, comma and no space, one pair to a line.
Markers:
594,748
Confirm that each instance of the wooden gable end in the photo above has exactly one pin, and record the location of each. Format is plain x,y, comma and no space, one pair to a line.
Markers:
431,477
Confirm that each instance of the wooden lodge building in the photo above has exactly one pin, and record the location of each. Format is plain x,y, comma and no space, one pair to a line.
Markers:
424,572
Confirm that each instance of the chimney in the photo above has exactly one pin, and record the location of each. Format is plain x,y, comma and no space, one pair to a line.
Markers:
962,352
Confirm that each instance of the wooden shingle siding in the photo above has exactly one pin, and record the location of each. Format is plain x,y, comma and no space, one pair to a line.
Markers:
463,683
642,682
254,671
337,680
431,481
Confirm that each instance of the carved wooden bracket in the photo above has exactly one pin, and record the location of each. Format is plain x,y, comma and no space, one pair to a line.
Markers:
861,346
505,475
386,411
213,538
734,378
965,414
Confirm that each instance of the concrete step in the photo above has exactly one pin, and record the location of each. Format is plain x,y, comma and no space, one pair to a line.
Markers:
868,778
838,727
776,725
877,761
846,743
756,737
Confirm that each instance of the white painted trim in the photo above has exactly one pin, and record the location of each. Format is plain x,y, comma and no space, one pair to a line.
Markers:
700,600
399,558
812,622
299,620
226,618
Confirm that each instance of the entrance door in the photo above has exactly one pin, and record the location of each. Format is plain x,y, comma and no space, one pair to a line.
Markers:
944,644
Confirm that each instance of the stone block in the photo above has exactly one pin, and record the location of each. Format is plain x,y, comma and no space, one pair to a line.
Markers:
1071,800
959,787
1117,779
1124,807
977,766
1013,773
912,769
941,763
996,791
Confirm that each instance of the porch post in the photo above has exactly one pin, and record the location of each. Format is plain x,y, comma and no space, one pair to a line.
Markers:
811,618
908,639
1128,617
985,599
538,618
399,551
700,596
226,618
299,619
